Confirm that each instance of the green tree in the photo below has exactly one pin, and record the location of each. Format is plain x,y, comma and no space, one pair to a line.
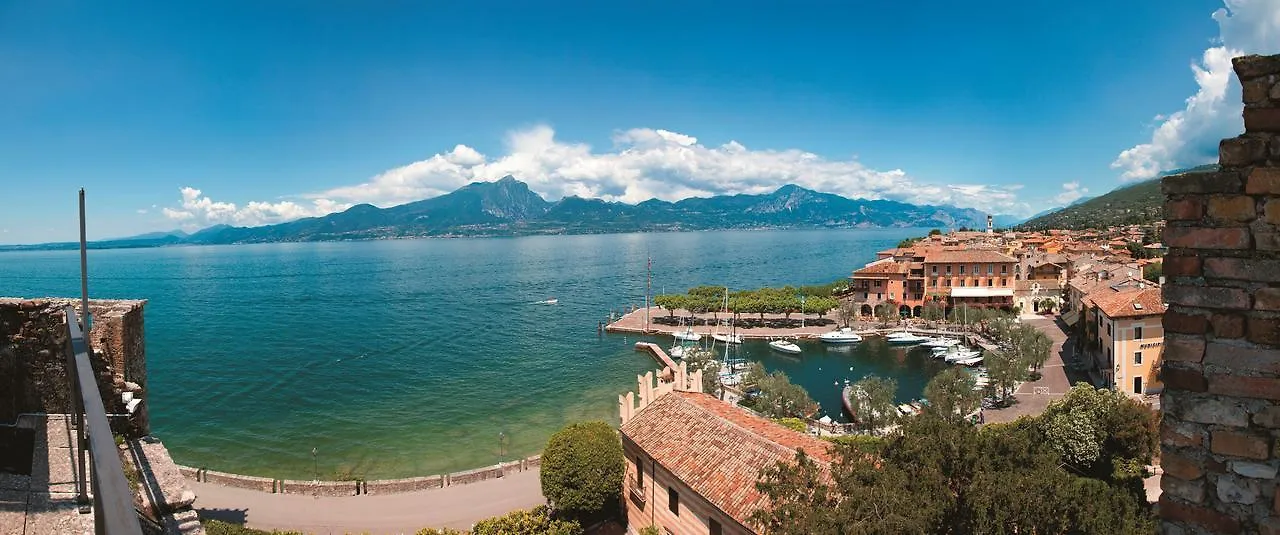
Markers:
536,521
776,395
951,393
933,311
668,302
1101,433
582,469
887,311
701,359
1153,272
820,305
873,401
847,312
935,232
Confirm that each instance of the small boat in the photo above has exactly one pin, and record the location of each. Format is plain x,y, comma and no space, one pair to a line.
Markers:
972,361
785,346
687,336
551,301
960,354
942,342
840,336
727,338
904,338
676,351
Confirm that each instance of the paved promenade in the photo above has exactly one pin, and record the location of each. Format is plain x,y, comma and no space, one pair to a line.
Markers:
1033,397
455,507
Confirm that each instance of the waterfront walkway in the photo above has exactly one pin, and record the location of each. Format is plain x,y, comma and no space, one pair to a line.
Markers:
455,507
1034,396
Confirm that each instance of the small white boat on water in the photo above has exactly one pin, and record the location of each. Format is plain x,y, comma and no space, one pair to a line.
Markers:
904,338
960,354
551,301
727,338
942,342
687,335
843,335
972,361
676,351
785,346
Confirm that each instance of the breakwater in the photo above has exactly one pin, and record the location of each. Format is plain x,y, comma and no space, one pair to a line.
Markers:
360,487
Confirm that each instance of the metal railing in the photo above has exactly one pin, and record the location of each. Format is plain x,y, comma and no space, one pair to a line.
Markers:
113,510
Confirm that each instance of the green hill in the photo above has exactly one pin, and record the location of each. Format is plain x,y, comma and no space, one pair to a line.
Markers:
1135,204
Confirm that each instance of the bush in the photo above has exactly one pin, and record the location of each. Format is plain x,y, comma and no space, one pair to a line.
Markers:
536,521
582,469
441,531
794,424
218,527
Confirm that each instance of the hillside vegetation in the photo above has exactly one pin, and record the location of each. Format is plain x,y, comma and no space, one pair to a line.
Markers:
1135,204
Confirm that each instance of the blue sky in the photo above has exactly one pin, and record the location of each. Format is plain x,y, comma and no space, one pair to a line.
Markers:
266,111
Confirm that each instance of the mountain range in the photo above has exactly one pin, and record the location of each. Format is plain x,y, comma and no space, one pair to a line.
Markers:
508,207
1134,204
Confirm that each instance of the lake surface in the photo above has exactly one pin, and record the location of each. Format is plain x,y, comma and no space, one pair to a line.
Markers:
412,357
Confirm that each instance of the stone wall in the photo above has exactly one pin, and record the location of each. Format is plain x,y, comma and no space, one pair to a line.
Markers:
33,356
1221,366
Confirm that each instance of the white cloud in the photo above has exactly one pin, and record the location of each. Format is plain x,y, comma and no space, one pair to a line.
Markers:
652,163
198,211
141,211
1190,136
1070,192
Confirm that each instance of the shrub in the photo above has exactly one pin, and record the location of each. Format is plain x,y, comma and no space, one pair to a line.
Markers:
218,527
536,521
794,424
582,469
441,531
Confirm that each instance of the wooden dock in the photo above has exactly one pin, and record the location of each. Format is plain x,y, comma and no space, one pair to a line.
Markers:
657,353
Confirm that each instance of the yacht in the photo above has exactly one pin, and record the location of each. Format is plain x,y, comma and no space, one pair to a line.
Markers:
959,354
676,351
904,338
727,338
971,361
785,346
688,335
840,336
942,342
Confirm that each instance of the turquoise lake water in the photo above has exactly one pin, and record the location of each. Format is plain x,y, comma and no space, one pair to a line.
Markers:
411,357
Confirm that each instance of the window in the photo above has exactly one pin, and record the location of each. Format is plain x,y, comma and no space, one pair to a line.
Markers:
1004,282
961,283
935,283
935,269
1137,385
714,526
1137,357
864,295
962,269
990,269
891,296
878,284
1137,333
673,501
639,474
1004,268
879,296
991,282
948,269
1108,328
948,282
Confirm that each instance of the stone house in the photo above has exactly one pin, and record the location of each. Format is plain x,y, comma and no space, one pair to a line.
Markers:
1131,337
693,461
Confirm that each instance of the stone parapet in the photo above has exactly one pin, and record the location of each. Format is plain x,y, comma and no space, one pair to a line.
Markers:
1221,403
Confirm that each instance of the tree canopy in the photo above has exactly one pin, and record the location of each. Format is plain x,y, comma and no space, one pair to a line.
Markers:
872,400
775,396
817,299
951,394
582,468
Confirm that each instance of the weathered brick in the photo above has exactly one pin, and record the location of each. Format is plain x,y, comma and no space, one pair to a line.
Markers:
1254,66
1181,467
1266,241
1241,151
1207,238
1227,325
1258,120
1233,208
1242,269
1266,299
1245,387
1208,297
1188,209
1256,91
1271,213
1192,491
1183,379
1263,181
1202,182
1183,348
1224,442
1214,521
1213,411
1264,331
1239,357
1177,322
1182,266
1268,417
1178,434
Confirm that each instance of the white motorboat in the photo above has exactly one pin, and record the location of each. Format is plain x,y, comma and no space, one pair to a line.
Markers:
785,346
676,351
727,338
942,342
687,335
843,335
972,361
904,338
960,354
551,301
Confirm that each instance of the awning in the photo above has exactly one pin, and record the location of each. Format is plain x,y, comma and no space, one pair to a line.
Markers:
981,292
1070,318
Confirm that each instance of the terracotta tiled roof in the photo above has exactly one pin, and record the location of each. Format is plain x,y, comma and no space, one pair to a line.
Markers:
716,448
1129,302
967,256
881,268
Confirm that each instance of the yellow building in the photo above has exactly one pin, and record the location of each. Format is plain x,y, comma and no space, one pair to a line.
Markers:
1131,337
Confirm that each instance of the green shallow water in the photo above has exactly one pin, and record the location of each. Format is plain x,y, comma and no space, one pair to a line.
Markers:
411,357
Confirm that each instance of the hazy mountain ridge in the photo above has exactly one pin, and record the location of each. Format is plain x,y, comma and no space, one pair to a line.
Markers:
508,207
1133,204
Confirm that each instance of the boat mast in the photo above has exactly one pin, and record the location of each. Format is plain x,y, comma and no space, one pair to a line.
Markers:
648,289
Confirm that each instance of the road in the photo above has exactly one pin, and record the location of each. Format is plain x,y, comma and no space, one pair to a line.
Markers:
455,507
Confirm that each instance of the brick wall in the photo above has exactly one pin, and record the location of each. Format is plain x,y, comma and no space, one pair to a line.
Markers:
1222,358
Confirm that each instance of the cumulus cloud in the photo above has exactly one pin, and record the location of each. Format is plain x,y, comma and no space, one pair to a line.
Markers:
646,163
198,211
1071,191
1190,136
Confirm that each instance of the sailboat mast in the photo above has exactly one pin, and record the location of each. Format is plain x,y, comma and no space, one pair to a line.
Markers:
648,289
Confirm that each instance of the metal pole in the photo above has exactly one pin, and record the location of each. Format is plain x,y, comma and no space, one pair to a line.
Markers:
648,289
84,271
